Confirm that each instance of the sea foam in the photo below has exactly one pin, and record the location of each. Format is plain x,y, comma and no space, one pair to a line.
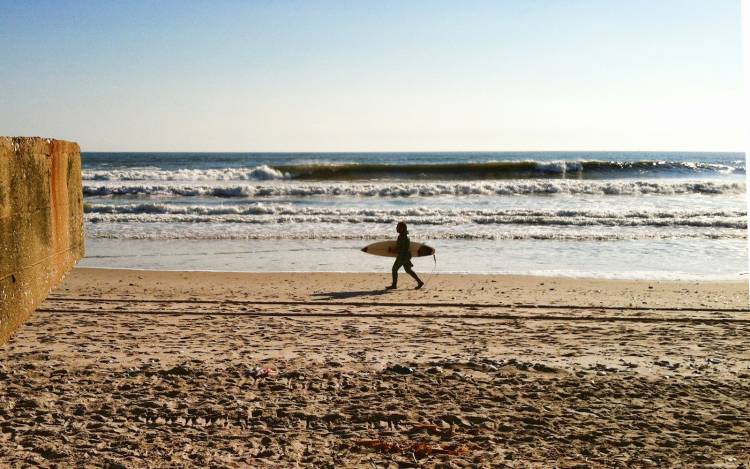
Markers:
414,189
258,173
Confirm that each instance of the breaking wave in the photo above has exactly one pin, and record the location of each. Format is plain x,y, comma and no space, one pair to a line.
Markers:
585,169
258,173
537,187
268,214
263,213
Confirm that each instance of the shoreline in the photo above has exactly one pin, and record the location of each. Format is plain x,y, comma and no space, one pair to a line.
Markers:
723,280
682,260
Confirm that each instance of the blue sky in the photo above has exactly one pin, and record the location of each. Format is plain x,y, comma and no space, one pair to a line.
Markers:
374,76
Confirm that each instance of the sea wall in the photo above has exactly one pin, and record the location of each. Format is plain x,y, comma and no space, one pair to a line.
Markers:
41,222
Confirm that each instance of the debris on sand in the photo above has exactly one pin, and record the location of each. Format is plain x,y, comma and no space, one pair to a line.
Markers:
259,372
401,369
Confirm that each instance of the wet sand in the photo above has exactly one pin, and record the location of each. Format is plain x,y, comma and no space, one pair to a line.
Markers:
163,369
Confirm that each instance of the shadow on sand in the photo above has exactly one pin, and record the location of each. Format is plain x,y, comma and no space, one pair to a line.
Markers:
343,295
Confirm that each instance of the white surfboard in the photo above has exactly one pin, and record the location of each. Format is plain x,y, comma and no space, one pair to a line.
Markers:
388,249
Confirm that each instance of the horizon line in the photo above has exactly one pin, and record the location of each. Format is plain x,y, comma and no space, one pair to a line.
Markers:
408,151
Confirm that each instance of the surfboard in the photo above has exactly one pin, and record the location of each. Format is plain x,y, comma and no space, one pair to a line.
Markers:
388,249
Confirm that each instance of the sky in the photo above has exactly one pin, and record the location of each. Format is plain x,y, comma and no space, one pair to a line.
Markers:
374,76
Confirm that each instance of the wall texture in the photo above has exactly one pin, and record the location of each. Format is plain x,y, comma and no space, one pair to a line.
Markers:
41,222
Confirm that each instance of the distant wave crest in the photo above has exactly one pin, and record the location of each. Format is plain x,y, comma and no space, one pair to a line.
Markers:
258,173
586,169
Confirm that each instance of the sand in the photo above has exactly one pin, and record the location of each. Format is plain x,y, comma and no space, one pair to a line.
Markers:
194,369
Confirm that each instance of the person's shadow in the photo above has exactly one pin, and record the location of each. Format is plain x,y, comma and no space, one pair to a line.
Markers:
343,295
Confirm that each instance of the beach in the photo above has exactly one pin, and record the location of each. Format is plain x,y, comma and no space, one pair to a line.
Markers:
134,368
204,207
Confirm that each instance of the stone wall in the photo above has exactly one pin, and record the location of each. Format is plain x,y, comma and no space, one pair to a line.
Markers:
41,222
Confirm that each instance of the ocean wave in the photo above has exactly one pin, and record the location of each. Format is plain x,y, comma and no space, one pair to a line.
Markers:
261,214
261,208
518,187
594,169
258,173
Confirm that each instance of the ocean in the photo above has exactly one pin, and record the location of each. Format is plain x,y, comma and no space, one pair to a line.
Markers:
654,215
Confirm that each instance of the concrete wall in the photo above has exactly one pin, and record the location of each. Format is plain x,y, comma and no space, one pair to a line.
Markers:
41,222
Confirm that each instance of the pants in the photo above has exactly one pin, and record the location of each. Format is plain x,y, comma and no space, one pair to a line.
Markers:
406,264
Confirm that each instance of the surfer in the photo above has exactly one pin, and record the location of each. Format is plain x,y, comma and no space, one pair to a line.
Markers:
403,259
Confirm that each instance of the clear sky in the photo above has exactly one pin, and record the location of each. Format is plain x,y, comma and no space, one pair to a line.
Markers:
374,76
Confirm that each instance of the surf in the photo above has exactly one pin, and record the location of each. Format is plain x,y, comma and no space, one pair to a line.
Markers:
470,171
416,189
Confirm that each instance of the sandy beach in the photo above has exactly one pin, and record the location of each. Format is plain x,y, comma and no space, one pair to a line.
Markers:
202,205
127,368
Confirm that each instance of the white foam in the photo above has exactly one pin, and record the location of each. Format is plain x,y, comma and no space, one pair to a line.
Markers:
559,167
258,173
305,226
414,189
260,213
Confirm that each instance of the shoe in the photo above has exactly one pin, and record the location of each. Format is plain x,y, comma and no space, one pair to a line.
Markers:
390,287
419,285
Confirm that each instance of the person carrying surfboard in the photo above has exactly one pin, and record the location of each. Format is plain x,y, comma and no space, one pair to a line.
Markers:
403,257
